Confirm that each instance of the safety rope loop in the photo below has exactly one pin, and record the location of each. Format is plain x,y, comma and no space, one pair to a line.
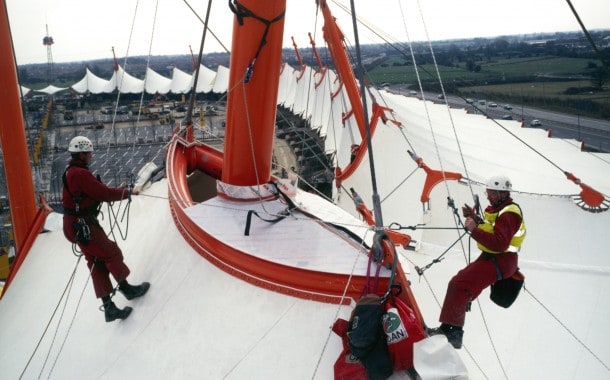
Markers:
394,226
249,220
242,12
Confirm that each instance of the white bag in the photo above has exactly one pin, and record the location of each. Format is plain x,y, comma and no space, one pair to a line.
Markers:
435,359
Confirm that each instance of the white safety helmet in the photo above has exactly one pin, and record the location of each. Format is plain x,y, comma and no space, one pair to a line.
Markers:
500,183
80,144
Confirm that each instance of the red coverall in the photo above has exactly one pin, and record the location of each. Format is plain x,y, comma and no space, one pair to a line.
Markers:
468,283
103,255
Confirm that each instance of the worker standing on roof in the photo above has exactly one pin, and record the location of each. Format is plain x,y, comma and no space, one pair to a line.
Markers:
81,198
499,236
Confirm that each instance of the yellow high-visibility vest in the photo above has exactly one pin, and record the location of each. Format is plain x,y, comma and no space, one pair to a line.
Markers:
490,221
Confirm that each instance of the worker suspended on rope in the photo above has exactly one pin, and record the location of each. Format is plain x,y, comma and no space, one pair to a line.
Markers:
82,194
499,236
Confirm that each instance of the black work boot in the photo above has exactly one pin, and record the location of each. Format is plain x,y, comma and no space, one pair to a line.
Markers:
111,312
454,334
133,291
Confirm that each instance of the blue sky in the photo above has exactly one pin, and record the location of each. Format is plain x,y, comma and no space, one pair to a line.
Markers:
82,31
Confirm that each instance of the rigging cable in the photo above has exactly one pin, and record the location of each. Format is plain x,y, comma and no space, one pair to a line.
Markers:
438,303
440,161
152,35
567,329
449,113
416,67
340,304
120,84
71,323
205,24
188,120
375,196
66,289
586,32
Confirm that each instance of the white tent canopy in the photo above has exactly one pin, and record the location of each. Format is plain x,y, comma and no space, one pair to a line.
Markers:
153,82
50,89
92,83
156,83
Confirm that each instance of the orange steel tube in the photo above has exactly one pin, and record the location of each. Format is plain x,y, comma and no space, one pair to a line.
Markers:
334,40
251,107
31,234
12,139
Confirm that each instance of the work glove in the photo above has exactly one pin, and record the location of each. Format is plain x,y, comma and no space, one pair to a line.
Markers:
468,211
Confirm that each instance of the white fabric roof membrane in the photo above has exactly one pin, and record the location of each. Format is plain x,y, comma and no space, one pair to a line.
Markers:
156,83
221,82
93,84
50,89
126,83
565,256
181,82
556,329
153,83
205,79
191,307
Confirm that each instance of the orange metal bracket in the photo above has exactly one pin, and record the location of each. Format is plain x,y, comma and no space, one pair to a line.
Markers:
433,177
592,200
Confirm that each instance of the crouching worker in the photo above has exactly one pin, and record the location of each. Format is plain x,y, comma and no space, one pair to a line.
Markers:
499,237
81,197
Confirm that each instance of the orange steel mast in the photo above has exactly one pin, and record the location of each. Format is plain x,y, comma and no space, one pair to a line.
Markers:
12,139
256,55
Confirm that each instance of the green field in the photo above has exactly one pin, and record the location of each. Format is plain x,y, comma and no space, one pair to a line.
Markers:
548,82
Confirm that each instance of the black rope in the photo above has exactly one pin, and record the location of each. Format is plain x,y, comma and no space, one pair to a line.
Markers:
206,26
281,215
249,220
586,32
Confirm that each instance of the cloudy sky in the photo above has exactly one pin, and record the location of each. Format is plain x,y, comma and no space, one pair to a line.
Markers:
85,29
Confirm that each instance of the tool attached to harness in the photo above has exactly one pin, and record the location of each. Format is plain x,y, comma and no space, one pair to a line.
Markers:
82,230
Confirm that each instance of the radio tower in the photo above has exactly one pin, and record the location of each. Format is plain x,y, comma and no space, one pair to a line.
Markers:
48,42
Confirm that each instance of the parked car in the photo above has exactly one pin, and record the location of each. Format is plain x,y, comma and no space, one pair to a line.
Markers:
492,104
469,101
508,107
535,123
507,117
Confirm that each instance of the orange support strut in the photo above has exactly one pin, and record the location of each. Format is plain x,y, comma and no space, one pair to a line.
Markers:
12,138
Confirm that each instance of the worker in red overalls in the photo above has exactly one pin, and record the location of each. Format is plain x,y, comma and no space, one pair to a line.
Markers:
81,198
499,235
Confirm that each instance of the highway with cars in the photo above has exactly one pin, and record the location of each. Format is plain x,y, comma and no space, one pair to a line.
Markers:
594,133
